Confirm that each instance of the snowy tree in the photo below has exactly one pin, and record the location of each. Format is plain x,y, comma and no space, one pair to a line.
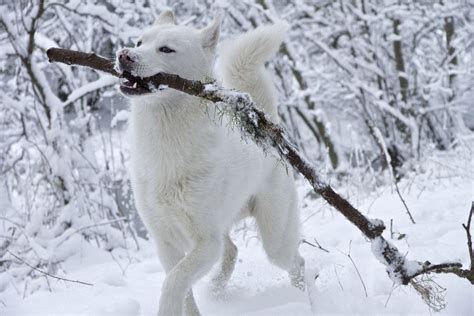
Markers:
59,187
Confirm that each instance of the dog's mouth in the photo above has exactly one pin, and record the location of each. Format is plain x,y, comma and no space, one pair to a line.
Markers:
130,87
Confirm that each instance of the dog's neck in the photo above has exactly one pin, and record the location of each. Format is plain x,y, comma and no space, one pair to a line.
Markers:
172,131
168,108
172,118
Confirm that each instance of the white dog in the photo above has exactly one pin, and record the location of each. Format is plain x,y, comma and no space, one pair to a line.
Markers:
193,178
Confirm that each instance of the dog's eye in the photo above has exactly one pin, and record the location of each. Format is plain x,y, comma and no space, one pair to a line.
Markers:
166,49
139,43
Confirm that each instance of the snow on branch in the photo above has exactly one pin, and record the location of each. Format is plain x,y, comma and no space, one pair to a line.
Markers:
255,125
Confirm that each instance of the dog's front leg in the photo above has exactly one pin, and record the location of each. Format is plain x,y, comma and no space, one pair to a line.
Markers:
170,255
182,277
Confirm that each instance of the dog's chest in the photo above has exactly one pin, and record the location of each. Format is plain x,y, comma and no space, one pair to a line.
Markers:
168,149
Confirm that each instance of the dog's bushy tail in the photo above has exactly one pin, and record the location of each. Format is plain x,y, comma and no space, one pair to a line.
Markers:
242,64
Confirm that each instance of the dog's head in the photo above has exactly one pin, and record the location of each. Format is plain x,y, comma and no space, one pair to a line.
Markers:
170,48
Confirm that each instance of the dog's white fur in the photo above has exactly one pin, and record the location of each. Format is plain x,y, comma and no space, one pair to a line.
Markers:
193,177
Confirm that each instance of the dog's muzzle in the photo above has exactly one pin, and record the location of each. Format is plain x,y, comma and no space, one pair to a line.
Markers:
126,62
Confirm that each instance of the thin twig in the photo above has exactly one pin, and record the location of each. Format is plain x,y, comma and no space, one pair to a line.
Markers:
315,246
357,270
76,231
394,286
391,228
319,246
383,146
469,237
337,277
403,201
46,273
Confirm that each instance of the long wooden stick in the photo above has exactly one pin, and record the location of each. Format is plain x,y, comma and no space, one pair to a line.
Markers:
270,136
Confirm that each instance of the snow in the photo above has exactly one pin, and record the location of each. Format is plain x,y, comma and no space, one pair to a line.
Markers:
121,115
128,282
102,82
375,223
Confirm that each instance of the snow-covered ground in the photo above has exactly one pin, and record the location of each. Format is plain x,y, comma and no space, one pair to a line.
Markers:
439,196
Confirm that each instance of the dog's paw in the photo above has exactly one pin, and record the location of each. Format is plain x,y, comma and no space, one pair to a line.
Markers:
298,278
218,285
299,284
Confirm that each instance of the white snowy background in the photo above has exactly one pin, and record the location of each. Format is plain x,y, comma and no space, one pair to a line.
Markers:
377,94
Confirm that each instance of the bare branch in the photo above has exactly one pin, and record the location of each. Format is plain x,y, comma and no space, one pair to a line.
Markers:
469,237
315,246
80,13
338,280
348,255
46,273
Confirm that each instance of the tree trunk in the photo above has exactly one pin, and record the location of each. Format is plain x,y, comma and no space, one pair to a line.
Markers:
399,61
452,58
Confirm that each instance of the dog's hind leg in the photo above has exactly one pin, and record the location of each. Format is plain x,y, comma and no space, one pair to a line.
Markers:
227,265
277,215
188,270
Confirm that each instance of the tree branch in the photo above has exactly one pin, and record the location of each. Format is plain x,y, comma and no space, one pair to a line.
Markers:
467,227
254,124
26,55
46,273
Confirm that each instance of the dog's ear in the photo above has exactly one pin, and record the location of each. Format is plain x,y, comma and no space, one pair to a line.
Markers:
166,17
210,34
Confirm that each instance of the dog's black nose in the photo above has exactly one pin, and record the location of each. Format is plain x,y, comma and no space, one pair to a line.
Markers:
126,59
